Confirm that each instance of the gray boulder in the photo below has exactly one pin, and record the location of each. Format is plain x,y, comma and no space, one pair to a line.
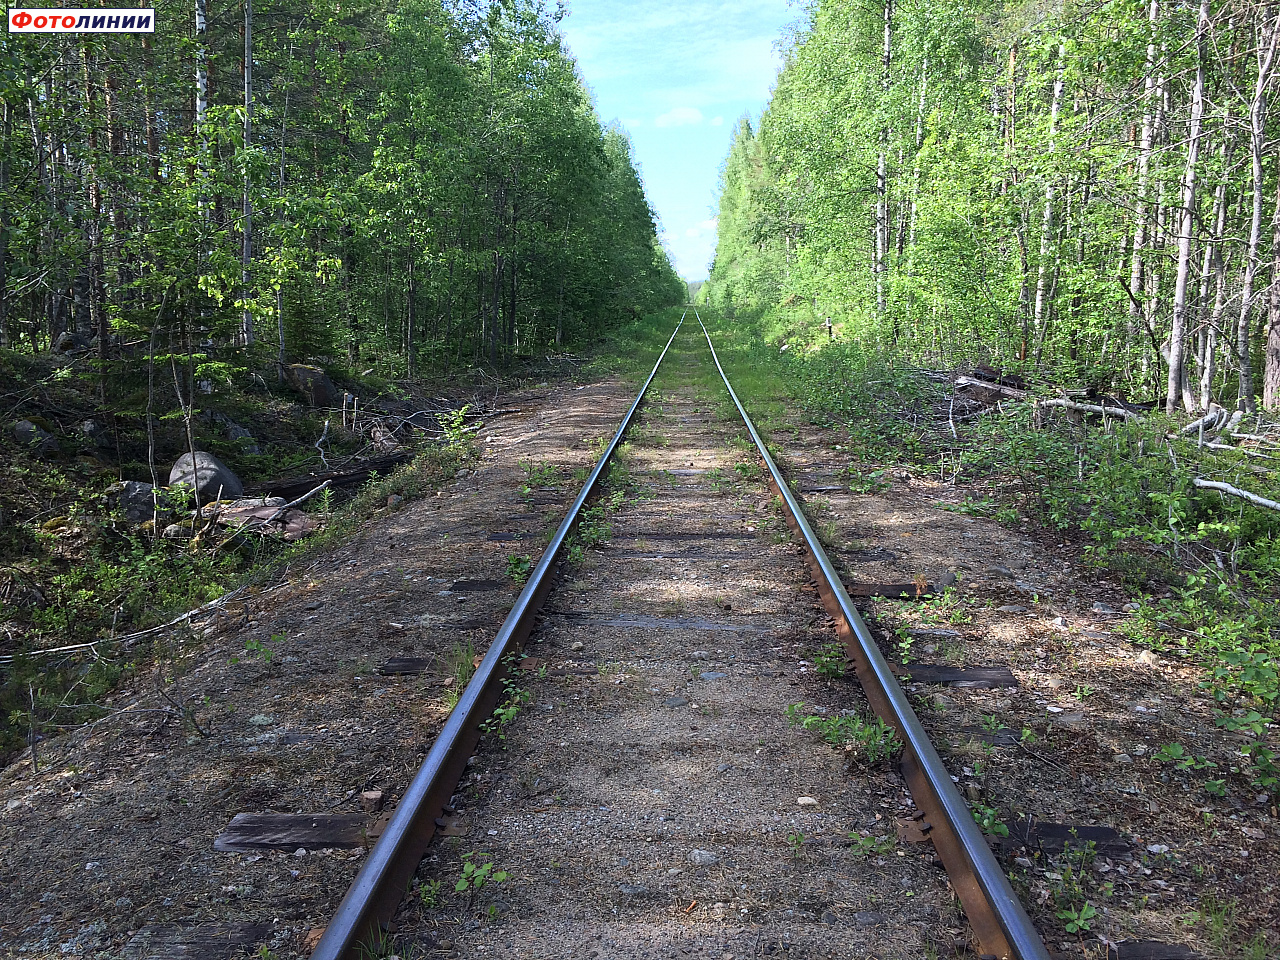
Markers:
69,343
209,475
33,436
134,500
313,383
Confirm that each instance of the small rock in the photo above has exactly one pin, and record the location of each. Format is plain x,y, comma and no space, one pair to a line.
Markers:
1131,608
300,852
632,889
868,918
942,703
806,801
395,500
1011,608
500,907
1059,623
712,675
675,702
1071,721
576,646
1055,683
1157,848
702,858
701,655
829,917
1102,608
1122,758
177,531
371,801
35,437
999,571
1148,658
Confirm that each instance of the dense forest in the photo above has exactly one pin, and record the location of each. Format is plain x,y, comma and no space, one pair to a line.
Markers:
275,248
383,183
1085,189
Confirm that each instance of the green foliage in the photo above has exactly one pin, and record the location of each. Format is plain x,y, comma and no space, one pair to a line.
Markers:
989,820
513,700
831,661
519,566
1180,757
869,845
1078,920
874,740
477,873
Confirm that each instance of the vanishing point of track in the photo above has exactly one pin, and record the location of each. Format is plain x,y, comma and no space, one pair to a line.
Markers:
999,922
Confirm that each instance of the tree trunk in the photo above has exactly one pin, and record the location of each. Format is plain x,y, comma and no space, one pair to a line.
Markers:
6,130
1217,266
1040,318
1268,35
882,176
411,320
1150,88
1271,363
1177,382
246,249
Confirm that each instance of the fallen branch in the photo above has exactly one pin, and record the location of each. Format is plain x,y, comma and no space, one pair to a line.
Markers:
1013,392
1227,488
302,499
1089,408
1246,451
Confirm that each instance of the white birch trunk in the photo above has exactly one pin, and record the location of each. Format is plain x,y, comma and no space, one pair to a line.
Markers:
1177,386
1039,317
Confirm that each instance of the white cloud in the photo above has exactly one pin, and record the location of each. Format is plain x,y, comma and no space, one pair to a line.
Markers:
679,117
717,121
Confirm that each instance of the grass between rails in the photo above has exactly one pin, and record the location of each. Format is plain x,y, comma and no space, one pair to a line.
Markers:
1205,569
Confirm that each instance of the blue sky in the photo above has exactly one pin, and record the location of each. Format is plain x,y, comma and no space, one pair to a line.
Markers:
677,75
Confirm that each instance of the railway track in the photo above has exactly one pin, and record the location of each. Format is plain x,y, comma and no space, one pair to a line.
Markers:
678,765
662,771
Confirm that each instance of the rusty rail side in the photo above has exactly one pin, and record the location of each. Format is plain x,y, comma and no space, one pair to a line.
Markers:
376,892
1001,924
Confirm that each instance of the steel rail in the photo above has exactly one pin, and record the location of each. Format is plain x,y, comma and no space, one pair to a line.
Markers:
376,892
1001,924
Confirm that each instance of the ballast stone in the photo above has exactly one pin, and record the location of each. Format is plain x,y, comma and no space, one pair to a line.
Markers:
210,476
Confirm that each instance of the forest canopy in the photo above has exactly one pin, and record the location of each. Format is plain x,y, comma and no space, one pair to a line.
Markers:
1088,188
385,183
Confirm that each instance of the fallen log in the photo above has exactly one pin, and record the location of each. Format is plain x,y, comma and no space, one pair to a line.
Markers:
987,387
1066,404
1234,491
294,487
